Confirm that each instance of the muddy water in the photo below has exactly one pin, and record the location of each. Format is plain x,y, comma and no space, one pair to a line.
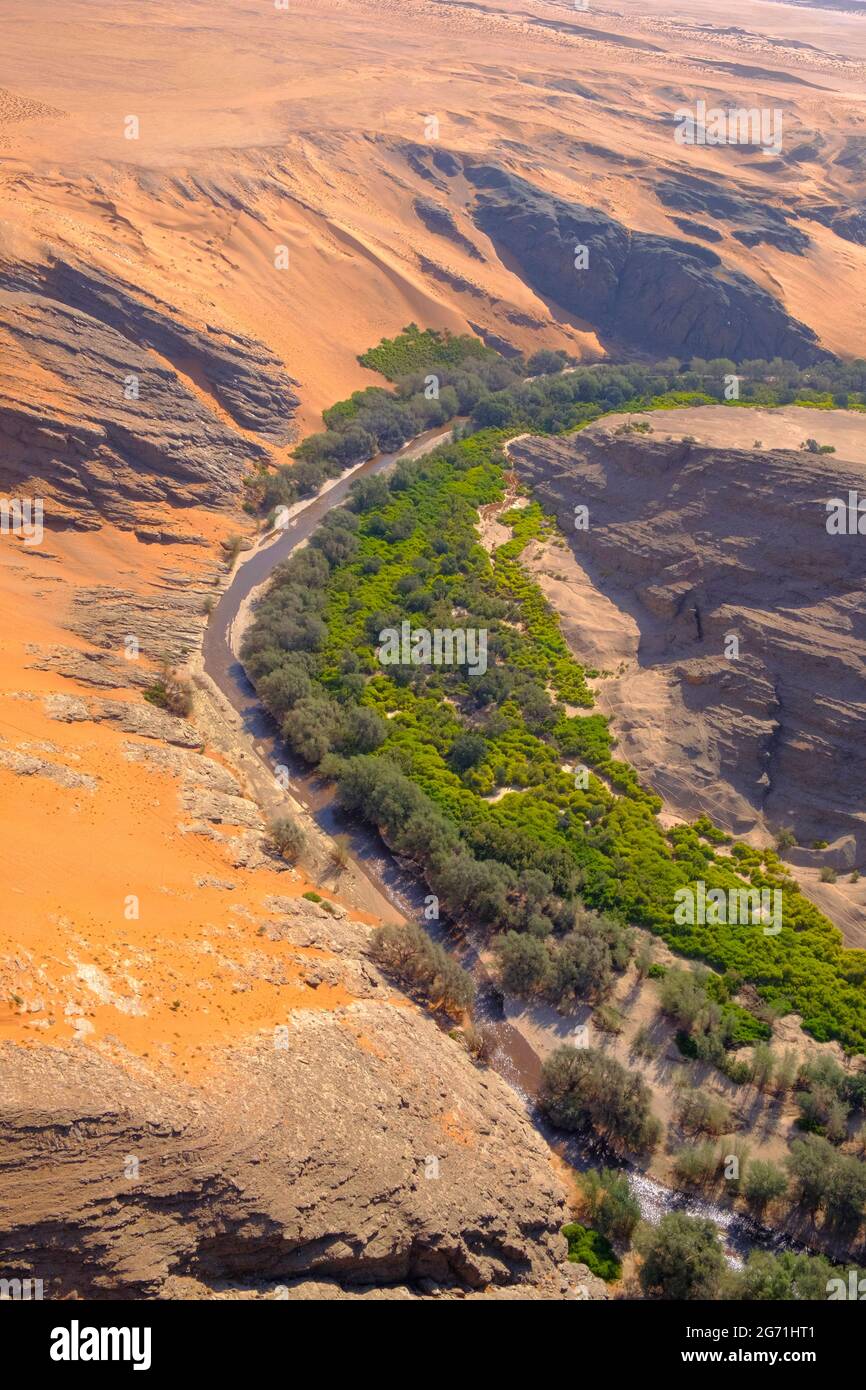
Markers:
511,1053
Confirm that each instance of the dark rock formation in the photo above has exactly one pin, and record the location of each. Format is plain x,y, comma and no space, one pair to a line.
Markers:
847,222
752,222
368,1151
120,430
694,542
248,381
450,278
698,229
656,293
439,220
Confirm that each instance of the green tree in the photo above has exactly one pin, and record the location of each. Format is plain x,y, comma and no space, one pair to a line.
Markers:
313,727
764,1183
682,1258
524,962
810,1163
697,1164
423,966
467,750
581,1086
782,1278
615,1210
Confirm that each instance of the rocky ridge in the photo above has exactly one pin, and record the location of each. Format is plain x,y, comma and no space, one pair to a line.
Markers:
361,1146
657,293
117,426
696,544
350,1148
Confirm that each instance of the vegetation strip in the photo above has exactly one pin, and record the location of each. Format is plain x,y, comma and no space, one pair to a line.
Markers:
559,872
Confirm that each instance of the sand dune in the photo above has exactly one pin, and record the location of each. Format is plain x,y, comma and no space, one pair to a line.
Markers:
260,129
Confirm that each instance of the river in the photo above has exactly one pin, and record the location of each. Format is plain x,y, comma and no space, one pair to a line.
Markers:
512,1055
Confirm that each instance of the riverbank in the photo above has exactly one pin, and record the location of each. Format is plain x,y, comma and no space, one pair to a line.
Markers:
517,1043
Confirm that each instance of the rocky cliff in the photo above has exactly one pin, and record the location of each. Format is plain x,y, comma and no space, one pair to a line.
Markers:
111,403
208,1088
363,1148
657,293
691,544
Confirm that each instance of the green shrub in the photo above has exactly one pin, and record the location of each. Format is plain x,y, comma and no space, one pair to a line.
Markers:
702,1112
614,1208
288,837
581,1087
591,1248
171,692
423,966
782,1278
764,1183
406,548
697,1164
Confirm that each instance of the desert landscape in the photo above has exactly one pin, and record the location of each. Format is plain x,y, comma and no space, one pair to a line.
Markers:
221,1079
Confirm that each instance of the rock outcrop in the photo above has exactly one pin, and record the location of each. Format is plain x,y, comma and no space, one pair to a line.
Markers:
115,427
438,219
365,1149
847,221
235,1101
657,293
750,220
698,545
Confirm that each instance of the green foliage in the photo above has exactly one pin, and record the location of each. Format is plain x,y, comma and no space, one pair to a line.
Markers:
826,1180
614,1208
703,1113
414,351
423,966
591,1248
559,403
171,692
696,1165
524,962
764,1182
783,1278
682,1259
288,837
710,1022
582,1086
419,751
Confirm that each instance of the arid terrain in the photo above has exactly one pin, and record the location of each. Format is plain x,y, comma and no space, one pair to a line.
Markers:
206,213
700,532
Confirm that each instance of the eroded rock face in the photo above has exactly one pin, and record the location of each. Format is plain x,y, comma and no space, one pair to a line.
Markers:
657,293
368,1150
337,1139
114,427
438,219
848,222
752,221
695,544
